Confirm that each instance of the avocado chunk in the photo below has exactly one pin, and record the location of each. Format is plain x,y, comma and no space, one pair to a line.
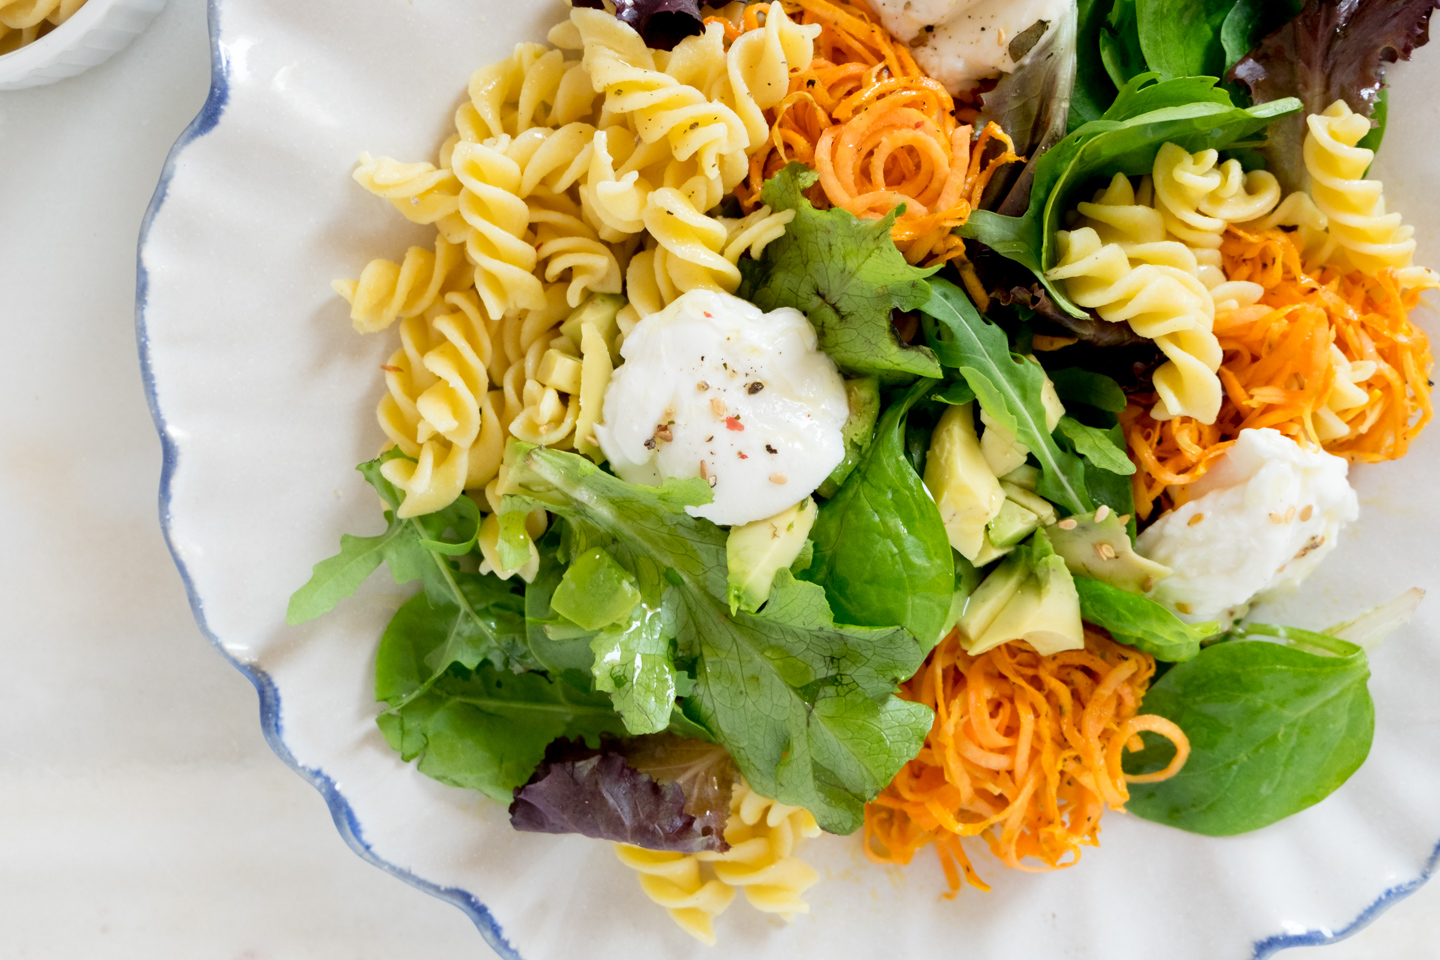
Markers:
989,553
1002,450
756,551
963,485
600,310
1024,476
1031,501
1011,525
1101,550
863,395
1033,599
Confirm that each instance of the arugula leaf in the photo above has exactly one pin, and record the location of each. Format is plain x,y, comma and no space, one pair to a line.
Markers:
846,275
1273,728
484,729
806,707
881,551
1140,622
1189,111
1181,38
1104,448
1008,389
1333,50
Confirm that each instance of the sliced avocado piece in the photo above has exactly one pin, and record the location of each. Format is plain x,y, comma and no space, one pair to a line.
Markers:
1044,612
1002,450
1036,504
1024,476
994,592
989,553
1011,525
600,309
863,395
756,551
963,485
1102,551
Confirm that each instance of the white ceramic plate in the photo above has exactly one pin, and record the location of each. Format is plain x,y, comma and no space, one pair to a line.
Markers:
264,396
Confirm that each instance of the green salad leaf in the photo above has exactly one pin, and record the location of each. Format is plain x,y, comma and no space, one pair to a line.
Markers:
1094,90
846,275
881,551
806,707
1273,728
1182,38
1104,448
633,659
1250,21
1008,389
1139,622
1119,42
1189,111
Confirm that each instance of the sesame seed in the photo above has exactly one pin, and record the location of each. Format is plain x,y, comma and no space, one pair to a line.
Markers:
1101,513
1124,519
1148,585
1307,513
705,473
702,386
1183,607
779,478
1277,517
1104,551
1290,513
1195,519
717,407
1069,523
662,432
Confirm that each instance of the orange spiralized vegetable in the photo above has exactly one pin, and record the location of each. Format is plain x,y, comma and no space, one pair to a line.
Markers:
1278,369
1025,751
880,133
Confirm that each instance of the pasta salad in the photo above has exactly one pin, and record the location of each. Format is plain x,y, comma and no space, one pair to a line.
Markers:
879,420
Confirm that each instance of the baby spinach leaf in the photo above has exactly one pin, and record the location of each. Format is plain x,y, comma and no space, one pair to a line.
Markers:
1119,39
1189,111
1273,729
806,707
881,551
846,275
1249,21
1008,389
1140,622
1076,385
1181,38
1094,90
1103,448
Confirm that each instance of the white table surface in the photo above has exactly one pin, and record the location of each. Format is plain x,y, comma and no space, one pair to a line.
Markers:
141,812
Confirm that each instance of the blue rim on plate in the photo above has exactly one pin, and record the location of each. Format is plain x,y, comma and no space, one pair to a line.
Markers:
270,717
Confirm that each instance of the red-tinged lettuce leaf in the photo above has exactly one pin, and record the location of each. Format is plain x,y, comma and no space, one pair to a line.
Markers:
661,23
682,807
1334,50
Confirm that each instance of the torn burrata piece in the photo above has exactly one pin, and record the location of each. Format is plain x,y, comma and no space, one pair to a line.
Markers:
713,387
961,42
1261,518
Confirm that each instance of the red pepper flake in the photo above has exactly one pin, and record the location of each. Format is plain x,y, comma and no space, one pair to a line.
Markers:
389,369
733,423
708,316
744,456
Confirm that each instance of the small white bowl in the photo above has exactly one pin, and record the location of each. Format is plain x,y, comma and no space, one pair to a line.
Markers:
97,31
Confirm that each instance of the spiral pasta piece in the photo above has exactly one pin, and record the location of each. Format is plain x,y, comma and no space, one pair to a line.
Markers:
659,105
438,408
498,221
534,87
25,21
1119,263
1365,236
758,69
566,245
421,192
387,291
761,862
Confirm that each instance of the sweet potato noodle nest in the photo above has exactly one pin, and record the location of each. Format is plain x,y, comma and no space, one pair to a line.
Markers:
880,133
1279,369
1025,751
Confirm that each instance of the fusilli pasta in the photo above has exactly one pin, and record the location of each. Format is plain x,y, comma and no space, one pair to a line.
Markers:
387,291
1363,236
25,21
763,836
1134,274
